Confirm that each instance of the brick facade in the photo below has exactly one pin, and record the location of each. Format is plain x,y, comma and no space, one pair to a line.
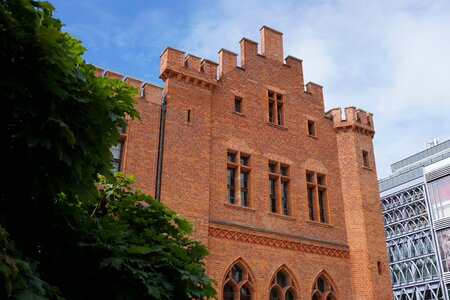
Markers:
343,247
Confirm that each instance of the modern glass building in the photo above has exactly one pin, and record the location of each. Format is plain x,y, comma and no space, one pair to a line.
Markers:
415,202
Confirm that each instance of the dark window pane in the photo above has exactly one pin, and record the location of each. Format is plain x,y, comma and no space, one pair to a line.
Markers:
228,293
281,279
289,296
284,170
284,197
236,273
311,203
311,128
230,185
272,167
244,188
279,97
321,284
245,293
280,114
244,198
365,155
314,297
309,177
271,94
244,160
271,115
323,215
274,294
237,104
231,157
320,179
273,198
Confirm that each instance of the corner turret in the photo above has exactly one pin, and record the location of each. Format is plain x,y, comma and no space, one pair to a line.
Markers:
352,119
174,63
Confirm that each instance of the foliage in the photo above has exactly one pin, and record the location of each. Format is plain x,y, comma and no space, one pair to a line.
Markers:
58,121
19,276
147,245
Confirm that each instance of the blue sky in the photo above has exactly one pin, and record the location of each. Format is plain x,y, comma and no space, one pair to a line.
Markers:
391,58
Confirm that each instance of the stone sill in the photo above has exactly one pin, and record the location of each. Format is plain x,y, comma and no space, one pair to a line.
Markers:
289,218
315,223
276,126
239,207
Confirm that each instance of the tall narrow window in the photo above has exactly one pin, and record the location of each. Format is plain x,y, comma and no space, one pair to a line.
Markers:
311,127
116,151
311,203
273,197
230,185
279,188
276,108
284,200
244,188
271,113
238,181
365,156
238,104
189,116
323,215
317,197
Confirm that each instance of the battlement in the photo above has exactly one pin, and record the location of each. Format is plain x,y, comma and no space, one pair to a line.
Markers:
352,118
202,72
146,91
193,69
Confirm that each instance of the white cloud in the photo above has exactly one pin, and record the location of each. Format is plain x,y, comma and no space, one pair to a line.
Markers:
389,57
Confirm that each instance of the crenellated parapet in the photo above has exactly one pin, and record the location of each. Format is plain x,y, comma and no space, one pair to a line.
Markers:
202,72
146,91
352,118
175,64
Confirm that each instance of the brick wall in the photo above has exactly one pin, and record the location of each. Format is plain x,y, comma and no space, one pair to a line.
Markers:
201,126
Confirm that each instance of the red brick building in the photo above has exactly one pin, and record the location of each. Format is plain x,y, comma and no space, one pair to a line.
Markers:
283,194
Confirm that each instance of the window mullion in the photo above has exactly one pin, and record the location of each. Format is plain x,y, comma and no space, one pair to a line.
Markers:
316,204
238,185
275,111
278,195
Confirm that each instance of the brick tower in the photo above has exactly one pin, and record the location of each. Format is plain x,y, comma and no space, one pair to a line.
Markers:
354,134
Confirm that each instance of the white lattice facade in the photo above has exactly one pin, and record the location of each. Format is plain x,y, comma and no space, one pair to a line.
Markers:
416,214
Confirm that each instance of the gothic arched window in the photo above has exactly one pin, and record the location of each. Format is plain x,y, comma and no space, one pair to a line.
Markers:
323,289
238,283
282,286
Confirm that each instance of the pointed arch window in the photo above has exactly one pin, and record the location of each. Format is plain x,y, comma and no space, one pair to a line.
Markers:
283,286
323,289
238,284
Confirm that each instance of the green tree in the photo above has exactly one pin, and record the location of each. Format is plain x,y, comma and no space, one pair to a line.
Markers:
58,121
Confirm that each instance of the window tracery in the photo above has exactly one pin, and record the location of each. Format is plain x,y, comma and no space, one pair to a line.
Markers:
282,286
323,289
238,283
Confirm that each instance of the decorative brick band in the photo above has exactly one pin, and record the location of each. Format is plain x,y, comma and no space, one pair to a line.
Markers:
276,243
